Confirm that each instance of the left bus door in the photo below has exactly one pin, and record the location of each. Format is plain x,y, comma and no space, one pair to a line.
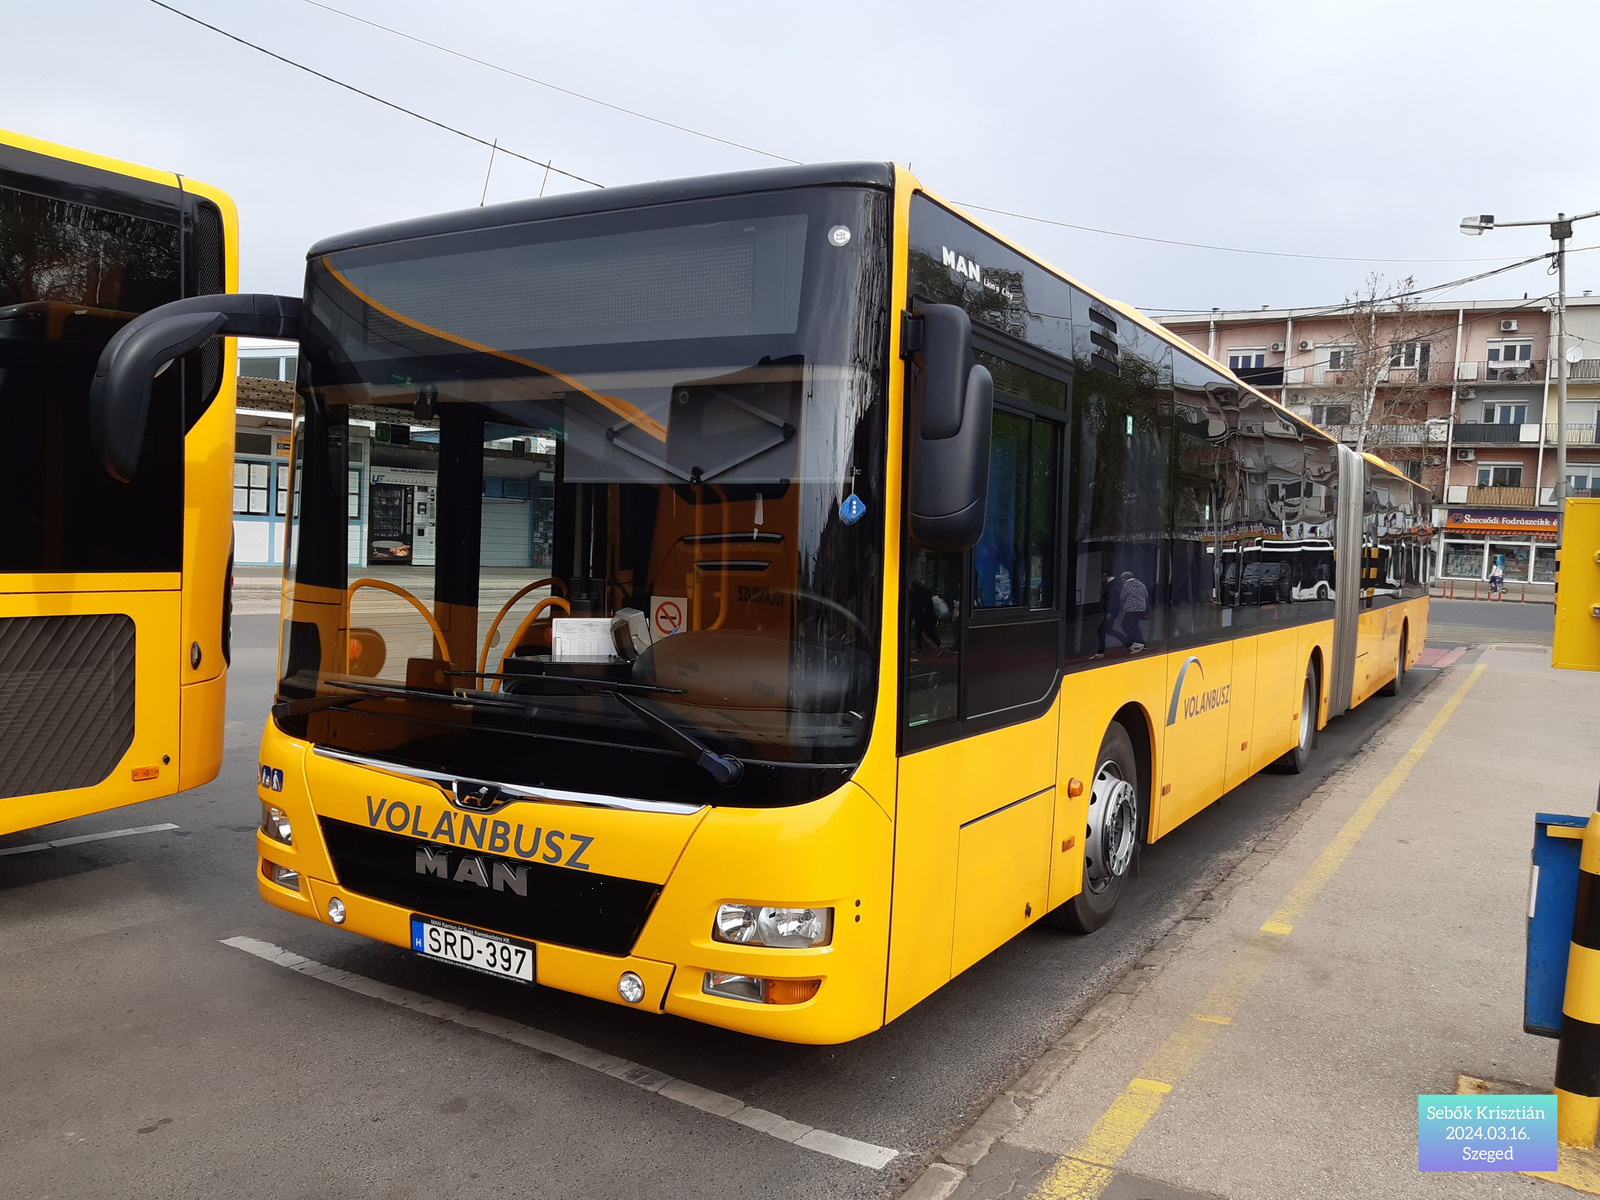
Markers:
113,595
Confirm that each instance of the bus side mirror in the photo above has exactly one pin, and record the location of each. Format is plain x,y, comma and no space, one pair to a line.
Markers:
119,397
952,415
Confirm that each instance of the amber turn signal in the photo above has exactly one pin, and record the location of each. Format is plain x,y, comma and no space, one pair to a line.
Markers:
790,991
146,773
1075,787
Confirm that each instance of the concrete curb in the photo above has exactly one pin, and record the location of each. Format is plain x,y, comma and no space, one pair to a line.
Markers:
942,1177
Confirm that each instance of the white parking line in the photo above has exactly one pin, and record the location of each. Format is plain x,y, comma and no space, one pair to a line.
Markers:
862,1153
32,847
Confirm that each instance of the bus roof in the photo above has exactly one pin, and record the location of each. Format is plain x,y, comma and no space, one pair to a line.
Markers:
633,195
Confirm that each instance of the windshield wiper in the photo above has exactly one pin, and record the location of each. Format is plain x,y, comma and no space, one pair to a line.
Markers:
379,691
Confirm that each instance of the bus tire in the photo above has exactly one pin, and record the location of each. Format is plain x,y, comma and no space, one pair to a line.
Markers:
1298,759
1111,836
1393,687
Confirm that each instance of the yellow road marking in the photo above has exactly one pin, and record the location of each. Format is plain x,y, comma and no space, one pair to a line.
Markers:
1086,1171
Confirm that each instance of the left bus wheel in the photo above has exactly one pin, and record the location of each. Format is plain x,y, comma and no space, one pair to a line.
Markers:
1111,837
1298,759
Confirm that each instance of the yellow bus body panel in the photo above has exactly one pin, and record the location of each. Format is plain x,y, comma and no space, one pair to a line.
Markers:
157,737
179,709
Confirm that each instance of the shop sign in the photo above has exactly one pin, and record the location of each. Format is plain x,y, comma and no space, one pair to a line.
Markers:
1489,521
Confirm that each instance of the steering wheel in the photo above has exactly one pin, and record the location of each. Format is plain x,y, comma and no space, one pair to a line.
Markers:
488,638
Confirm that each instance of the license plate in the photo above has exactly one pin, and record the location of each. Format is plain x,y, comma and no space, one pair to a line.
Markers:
487,952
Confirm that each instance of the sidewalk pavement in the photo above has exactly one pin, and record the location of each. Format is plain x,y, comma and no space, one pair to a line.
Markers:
1274,1045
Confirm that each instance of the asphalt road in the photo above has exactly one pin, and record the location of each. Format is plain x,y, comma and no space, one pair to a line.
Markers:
1469,621
144,1057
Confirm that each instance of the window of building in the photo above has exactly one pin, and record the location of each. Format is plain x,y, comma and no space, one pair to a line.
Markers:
1409,354
1505,475
355,494
1463,560
251,483
1246,360
1330,414
1413,469
1505,414
1579,484
1508,351
283,489
1341,358
278,365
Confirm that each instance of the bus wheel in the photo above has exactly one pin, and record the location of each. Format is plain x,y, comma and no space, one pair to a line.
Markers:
1298,759
1392,688
1322,591
1111,838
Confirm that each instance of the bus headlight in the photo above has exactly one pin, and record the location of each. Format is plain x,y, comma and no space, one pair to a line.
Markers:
763,925
275,824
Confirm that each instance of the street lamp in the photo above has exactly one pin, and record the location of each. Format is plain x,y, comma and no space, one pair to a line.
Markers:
1560,230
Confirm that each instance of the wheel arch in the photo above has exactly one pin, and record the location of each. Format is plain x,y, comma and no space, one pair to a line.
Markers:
1135,721
1314,663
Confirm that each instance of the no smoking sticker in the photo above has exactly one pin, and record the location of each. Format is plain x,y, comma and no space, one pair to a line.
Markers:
667,614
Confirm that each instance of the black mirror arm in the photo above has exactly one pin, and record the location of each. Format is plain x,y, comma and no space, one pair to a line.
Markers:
119,397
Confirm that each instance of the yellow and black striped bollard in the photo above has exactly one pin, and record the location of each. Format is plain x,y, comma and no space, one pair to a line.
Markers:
1578,1056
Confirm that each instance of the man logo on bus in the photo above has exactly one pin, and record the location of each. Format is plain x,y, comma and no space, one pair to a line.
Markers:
962,265
1200,702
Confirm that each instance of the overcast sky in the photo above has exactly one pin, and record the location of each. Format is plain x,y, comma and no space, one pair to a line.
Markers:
1356,129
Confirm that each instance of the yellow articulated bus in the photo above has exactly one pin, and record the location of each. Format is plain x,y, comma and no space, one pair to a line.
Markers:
757,598
113,557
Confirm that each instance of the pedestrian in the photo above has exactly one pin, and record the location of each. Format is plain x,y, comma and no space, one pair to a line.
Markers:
1135,608
1497,576
1108,612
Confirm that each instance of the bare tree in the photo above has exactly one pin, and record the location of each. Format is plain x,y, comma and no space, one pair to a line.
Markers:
1384,370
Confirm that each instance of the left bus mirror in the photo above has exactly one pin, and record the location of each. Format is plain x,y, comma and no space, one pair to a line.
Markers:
952,416
119,397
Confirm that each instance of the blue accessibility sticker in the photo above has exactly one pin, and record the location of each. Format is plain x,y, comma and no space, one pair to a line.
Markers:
851,509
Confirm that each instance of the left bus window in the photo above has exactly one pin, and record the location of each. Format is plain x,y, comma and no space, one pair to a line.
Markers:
71,275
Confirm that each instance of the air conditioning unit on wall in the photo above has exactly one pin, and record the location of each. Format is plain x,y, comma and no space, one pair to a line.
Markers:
1509,326
1277,347
1307,344
1466,455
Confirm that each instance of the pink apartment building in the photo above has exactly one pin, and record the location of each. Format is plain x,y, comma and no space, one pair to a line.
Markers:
1462,397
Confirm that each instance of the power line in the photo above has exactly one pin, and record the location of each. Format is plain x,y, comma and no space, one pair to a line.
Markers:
1139,237
494,147
552,86
421,41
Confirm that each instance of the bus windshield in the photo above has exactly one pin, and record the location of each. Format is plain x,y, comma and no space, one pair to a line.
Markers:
572,495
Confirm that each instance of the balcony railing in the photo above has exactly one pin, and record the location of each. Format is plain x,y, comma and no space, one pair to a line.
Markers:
1577,435
1501,497
1471,370
1481,433
1389,435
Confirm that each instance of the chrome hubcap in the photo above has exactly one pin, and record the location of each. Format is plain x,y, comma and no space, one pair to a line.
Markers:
1113,822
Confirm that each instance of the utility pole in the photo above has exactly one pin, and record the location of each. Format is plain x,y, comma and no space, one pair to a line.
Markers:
1560,231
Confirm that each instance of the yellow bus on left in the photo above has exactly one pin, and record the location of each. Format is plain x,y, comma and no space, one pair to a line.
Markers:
115,542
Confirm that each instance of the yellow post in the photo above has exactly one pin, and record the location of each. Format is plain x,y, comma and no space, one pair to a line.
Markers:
1578,1057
